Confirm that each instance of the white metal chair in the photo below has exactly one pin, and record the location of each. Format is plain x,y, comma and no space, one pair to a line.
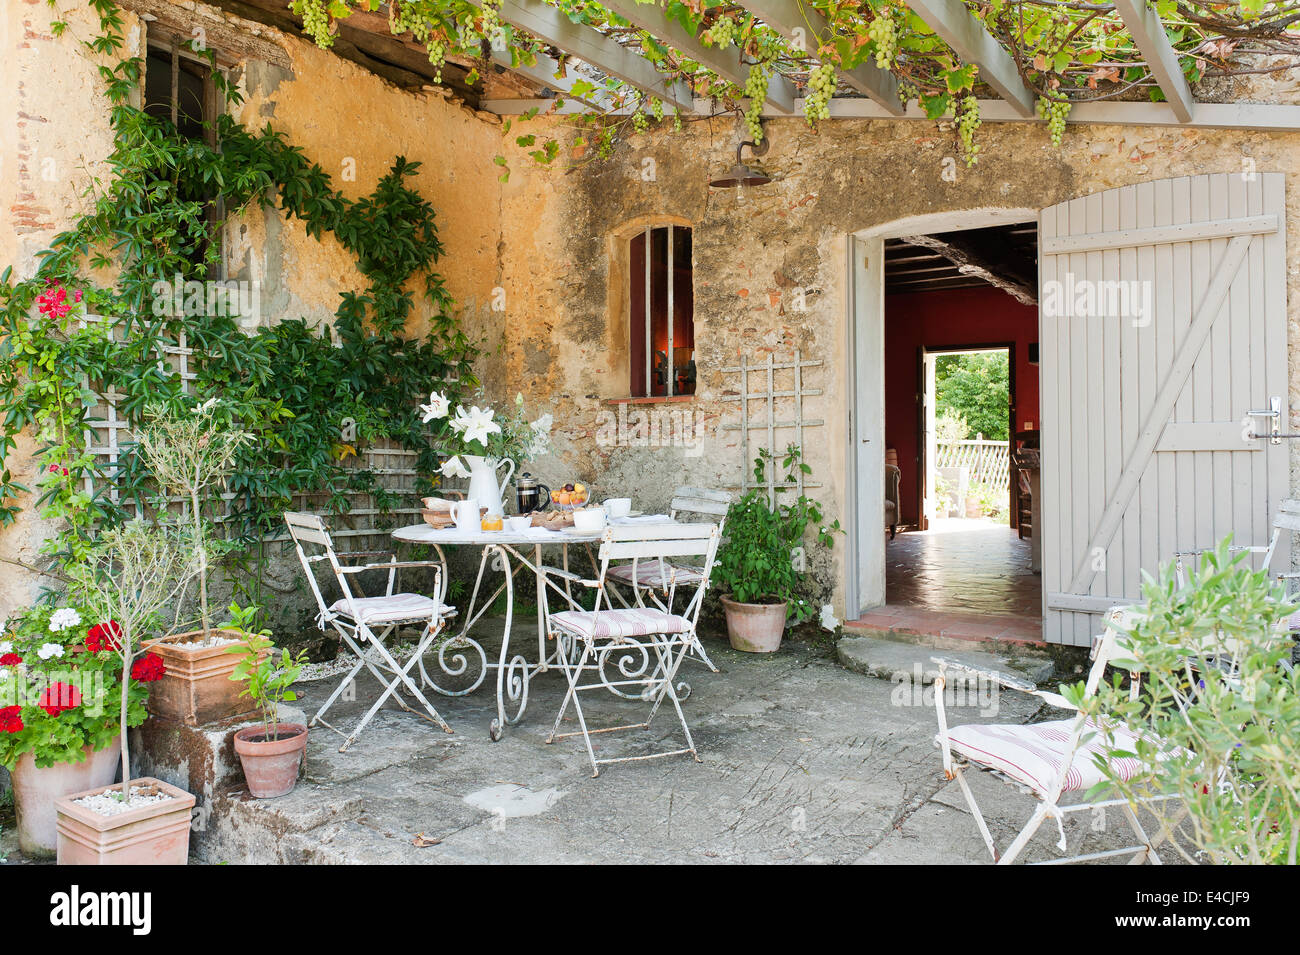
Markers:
659,579
365,623
1049,760
644,645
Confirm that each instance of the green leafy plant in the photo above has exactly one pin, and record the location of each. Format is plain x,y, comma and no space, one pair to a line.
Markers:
1219,711
269,679
758,561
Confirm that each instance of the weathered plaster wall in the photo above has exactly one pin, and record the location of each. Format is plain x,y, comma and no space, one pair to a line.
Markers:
54,136
752,252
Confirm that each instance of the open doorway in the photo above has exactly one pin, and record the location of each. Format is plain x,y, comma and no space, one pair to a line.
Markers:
961,400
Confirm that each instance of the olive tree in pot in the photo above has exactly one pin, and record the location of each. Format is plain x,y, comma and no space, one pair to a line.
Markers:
128,577
270,752
761,566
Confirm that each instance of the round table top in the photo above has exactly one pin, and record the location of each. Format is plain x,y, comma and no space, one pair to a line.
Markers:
424,534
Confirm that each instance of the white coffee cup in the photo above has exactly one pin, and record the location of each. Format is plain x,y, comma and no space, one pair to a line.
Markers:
589,519
617,507
466,515
519,524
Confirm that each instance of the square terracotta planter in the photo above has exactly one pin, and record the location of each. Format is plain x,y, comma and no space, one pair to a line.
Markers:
151,835
196,689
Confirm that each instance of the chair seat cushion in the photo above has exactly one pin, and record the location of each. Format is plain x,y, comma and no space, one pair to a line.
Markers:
392,609
618,624
648,575
1034,753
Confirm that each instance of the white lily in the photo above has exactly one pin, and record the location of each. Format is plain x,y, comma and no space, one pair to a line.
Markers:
437,406
544,423
475,424
453,468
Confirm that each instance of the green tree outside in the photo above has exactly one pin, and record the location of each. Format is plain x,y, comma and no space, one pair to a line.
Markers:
975,386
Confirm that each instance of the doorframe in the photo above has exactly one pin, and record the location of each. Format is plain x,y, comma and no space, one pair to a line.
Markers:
864,572
923,446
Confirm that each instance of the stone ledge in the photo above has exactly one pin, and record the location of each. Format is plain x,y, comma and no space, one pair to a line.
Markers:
901,662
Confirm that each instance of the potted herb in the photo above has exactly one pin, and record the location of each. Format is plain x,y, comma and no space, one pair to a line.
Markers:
271,753
130,575
191,453
59,677
759,568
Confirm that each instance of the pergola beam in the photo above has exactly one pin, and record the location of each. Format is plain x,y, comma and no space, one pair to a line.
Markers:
976,262
547,23
549,72
1266,117
725,63
790,18
1149,35
968,38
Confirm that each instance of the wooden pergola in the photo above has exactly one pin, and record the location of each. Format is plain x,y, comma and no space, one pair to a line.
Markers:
590,54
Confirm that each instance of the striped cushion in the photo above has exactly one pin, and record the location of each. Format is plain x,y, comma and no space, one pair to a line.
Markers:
1033,754
617,624
392,609
647,574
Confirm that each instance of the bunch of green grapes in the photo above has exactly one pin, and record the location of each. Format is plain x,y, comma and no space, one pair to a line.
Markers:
884,33
657,109
821,87
722,34
756,90
315,21
639,121
437,55
967,113
1054,111
677,119
491,18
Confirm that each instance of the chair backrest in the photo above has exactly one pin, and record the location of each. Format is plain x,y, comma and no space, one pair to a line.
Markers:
1285,521
311,538
662,543
701,500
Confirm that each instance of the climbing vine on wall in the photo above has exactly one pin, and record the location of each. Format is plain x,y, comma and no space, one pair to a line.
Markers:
150,224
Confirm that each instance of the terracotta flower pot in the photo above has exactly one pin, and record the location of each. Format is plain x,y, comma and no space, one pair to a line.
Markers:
36,789
755,628
196,688
271,765
158,834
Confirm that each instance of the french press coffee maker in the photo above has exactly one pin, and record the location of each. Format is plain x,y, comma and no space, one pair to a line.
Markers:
530,494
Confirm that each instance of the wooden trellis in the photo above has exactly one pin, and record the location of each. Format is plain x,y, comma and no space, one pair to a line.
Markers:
766,421
108,433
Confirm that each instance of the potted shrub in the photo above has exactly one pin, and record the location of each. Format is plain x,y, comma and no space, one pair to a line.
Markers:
59,678
759,569
270,752
191,453
128,577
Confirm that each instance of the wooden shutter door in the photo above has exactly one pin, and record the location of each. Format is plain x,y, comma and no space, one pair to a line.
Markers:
1144,452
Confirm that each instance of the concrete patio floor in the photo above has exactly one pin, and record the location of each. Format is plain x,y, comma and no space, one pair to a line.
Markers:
802,761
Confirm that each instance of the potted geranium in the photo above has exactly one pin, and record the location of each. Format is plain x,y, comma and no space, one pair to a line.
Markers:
60,677
189,454
271,752
759,570
477,441
132,573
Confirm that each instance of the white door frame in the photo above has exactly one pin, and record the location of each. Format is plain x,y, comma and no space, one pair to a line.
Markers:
864,585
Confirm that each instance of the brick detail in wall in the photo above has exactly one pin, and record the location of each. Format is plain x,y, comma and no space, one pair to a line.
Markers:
27,212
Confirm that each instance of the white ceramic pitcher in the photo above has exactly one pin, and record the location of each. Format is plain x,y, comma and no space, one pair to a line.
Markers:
483,485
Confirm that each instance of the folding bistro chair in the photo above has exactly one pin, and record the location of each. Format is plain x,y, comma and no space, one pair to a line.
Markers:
1049,760
658,579
364,623
644,646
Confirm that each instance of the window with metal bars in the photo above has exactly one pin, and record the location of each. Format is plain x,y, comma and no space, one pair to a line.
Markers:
662,307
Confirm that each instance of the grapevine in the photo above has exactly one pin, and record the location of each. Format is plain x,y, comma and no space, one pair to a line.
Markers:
721,34
1054,111
756,90
884,33
967,113
821,86
315,21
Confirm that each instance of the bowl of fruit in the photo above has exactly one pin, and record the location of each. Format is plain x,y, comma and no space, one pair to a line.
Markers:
571,497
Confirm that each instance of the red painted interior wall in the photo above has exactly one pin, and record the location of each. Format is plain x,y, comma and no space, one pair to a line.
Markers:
960,317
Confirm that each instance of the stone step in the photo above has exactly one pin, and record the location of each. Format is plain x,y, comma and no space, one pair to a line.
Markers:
901,662
949,630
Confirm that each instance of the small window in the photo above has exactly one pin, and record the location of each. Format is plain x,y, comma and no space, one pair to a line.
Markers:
662,351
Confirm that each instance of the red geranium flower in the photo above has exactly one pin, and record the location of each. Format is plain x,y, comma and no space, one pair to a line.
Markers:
104,636
148,668
10,722
59,697
10,660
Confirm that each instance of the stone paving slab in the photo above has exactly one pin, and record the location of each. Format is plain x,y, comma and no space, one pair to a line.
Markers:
908,663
